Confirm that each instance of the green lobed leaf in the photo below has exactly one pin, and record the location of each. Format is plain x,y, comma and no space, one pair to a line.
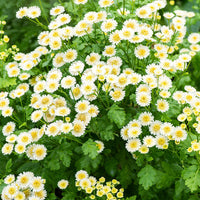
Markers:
147,176
4,83
191,175
90,148
117,115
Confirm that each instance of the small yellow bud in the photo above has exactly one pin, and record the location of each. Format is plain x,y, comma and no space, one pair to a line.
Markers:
172,2
67,119
158,17
165,146
195,125
177,142
176,47
183,126
102,179
44,109
189,149
6,38
189,119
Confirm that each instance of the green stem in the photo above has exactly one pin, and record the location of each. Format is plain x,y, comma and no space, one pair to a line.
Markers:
124,2
36,22
72,139
43,11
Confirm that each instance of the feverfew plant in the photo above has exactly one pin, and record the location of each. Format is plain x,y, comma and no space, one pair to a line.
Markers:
99,94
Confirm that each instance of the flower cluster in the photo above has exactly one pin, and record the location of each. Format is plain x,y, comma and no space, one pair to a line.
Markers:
95,73
5,51
31,12
98,188
94,68
25,186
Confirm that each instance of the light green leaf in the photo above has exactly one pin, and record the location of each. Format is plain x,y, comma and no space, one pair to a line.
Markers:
4,83
117,115
191,175
90,148
108,133
147,176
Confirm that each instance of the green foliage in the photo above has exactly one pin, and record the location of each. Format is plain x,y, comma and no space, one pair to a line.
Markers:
191,175
90,148
147,176
117,115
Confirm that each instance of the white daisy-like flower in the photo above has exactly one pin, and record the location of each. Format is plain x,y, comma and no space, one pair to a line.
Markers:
57,10
62,184
88,88
78,128
145,32
36,115
155,127
117,94
161,142
22,12
7,149
84,117
164,82
52,86
66,127
9,179
135,78
126,33
124,133
75,92
142,51
109,51
82,106
37,184
11,138
7,111
24,179
54,74
8,128
24,138
13,72
105,3
162,105
100,146
90,17
58,60
179,134
81,174
108,25
149,141
11,190
39,152
52,129
68,82
67,32
76,68
55,43
143,98
63,19
133,145
33,12
134,132
115,37
115,61
62,111
146,118
70,55
93,58
143,12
